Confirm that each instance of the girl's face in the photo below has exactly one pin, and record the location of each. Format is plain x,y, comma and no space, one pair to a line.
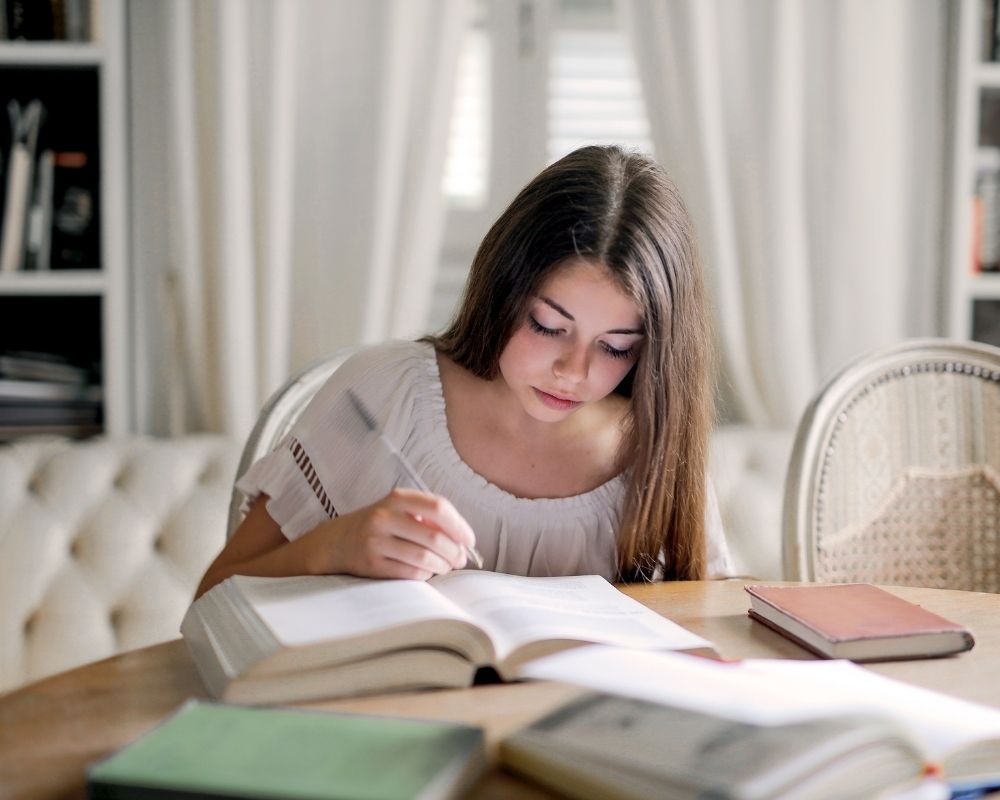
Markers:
580,337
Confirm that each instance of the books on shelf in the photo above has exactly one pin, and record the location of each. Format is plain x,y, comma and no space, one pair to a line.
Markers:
22,365
277,640
74,230
43,394
50,216
211,750
934,734
856,621
45,20
25,123
986,211
39,242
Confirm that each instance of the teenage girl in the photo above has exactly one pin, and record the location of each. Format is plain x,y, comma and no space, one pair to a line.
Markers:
560,423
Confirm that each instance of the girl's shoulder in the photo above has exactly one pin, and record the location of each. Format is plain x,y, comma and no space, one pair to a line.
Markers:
382,375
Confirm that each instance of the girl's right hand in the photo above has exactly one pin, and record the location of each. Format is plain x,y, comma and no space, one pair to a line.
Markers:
406,534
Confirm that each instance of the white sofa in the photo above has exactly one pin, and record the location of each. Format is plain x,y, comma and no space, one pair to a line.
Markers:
102,542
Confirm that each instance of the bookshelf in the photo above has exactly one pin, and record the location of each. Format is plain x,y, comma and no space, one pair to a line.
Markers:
974,275
72,304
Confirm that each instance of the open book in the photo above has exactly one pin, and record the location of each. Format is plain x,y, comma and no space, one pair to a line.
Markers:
280,640
607,746
887,731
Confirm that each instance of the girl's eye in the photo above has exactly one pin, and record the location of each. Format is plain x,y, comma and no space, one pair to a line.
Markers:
614,352
537,327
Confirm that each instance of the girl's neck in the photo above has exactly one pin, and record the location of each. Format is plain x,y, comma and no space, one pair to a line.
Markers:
494,436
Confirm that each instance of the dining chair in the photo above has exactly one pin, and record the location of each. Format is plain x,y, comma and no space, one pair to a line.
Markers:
894,476
277,417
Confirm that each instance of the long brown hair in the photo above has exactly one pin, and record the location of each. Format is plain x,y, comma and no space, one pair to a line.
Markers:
618,209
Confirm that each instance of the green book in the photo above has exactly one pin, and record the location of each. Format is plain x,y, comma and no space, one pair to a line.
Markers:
214,750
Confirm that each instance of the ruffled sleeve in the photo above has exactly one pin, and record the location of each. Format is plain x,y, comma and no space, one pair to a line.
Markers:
327,465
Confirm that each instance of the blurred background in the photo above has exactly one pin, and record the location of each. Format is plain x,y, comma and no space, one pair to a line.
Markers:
270,180
201,197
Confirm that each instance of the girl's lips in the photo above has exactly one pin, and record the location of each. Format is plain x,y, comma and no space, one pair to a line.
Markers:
558,403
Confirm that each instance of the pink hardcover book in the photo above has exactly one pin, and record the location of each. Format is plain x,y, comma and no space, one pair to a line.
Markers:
857,621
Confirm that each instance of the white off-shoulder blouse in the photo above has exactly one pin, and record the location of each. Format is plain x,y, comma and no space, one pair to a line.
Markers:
330,464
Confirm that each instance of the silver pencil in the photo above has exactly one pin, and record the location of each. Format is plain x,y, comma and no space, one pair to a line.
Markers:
370,422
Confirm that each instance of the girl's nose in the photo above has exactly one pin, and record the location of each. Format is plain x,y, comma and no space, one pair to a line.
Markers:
572,364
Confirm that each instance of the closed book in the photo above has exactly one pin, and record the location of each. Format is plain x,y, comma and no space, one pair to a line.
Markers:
213,750
12,249
856,621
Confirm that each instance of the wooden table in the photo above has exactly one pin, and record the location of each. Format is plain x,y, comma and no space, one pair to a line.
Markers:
51,730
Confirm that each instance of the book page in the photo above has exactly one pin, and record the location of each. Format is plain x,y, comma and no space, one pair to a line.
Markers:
517,611
306,610
687,753
773,691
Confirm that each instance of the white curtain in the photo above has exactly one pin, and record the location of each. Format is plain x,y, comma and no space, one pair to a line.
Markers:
808,141
287,190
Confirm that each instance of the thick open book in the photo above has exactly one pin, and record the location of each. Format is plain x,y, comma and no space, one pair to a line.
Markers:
605,746
279,640
889,732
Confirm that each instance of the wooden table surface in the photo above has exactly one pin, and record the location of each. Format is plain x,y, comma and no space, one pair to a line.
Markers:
52,729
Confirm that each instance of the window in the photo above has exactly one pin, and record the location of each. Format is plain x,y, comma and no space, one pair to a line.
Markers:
594,93
467,166
537,79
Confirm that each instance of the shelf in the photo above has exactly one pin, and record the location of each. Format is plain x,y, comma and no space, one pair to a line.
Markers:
984,285
60,282
54,54
987,75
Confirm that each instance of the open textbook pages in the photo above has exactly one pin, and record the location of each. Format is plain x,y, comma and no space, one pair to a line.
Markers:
285,639
609,746
960,737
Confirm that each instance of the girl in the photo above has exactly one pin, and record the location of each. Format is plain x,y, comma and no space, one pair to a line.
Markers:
560,422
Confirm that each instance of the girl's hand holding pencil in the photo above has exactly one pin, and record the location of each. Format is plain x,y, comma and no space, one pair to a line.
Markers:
407,534
427,527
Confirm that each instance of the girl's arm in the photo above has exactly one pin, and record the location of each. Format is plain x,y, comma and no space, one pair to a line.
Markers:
406,534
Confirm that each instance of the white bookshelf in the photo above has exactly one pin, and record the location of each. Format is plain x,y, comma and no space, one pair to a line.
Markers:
976,86
100,287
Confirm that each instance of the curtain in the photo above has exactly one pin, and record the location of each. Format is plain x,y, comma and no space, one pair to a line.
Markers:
807,139
288,162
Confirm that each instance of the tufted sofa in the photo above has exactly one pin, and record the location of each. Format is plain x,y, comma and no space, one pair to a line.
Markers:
103,542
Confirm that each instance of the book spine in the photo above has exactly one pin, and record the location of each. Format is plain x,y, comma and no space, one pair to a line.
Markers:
40,219
16,209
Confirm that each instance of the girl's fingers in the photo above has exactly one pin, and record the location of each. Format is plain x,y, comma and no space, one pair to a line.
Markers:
434,511
421,534
414,556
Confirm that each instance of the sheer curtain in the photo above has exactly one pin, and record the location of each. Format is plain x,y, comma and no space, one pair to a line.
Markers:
288,160
807,139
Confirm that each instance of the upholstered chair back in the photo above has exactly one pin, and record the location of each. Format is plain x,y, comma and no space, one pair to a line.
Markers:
894,476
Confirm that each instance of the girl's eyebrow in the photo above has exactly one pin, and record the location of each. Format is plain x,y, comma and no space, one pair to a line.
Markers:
553,304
